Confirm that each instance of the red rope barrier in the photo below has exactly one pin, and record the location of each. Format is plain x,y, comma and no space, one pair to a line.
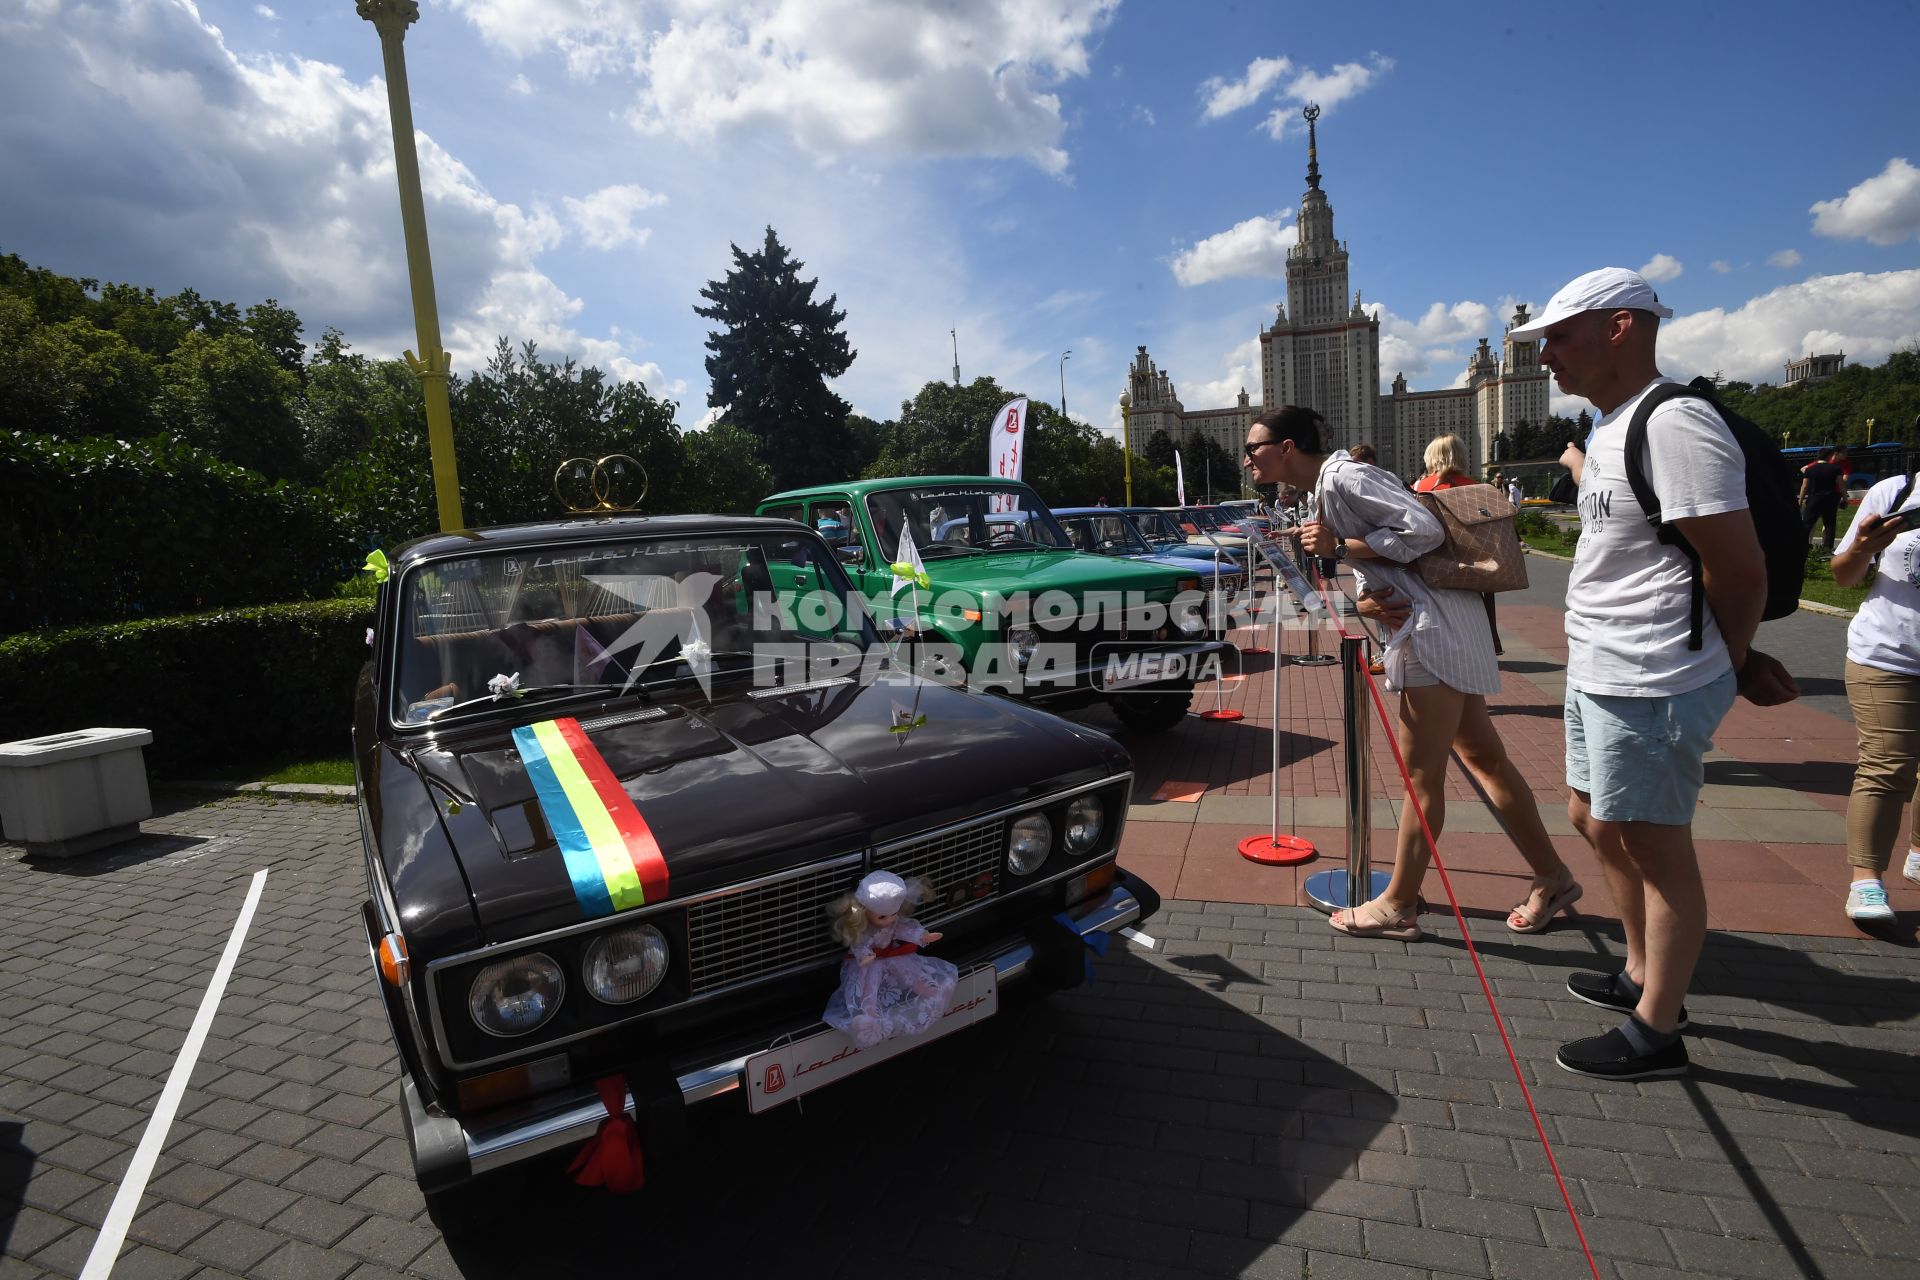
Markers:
1486,988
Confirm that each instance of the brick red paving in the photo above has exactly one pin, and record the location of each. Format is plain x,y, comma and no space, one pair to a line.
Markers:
1770,830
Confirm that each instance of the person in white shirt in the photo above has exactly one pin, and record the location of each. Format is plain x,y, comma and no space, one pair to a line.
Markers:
1642,705
1513,491
1883,688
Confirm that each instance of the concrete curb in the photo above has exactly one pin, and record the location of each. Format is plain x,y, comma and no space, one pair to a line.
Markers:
292,790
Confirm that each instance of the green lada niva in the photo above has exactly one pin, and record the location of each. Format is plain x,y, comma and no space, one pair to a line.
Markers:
977,576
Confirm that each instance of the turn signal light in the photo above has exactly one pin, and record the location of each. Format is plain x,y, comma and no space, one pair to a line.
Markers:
392,953
497,1087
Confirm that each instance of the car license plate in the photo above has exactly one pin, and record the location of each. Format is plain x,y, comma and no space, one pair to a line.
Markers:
787,1071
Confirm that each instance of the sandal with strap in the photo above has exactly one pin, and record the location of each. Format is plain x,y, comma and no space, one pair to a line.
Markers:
1559,900
1371,920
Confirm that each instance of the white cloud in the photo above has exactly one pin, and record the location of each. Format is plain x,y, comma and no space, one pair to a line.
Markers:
1224,97
1720,266
1662,267
1145,116
1423,348
606,218
266,12
1784,259
1345,81
1867,316
842,79
1885,209
180,163
520,85
1242,373
1256,247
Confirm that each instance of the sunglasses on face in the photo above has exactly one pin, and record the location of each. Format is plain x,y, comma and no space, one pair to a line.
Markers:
1256,446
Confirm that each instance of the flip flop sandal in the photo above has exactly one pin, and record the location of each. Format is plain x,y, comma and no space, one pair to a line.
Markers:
1555,905
1394,928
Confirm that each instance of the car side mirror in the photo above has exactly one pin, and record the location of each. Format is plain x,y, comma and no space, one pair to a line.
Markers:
851,555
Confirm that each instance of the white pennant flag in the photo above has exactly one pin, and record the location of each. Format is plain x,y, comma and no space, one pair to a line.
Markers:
907,569
1179,480
1007,448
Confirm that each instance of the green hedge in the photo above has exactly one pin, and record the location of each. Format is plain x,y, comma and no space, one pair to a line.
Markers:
232,685
96,529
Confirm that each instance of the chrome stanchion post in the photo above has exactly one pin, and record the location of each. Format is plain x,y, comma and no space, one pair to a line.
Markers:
1219,622
1272,847
1312,657
1333,890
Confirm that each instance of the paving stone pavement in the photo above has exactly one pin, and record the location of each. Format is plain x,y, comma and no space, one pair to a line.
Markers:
1261,1098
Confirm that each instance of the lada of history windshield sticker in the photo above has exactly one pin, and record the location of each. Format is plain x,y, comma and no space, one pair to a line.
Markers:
610,853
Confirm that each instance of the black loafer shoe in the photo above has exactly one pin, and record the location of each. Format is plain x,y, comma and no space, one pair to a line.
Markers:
1613,1057
1597,988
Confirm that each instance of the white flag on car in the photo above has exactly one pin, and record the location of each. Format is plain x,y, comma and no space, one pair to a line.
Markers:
1179,480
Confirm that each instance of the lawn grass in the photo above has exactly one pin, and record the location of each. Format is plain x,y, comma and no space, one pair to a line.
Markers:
336,771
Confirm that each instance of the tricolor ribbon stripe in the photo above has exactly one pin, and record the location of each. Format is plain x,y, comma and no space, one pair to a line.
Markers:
610,853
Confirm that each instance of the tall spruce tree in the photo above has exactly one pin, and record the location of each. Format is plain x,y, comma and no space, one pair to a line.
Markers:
770,364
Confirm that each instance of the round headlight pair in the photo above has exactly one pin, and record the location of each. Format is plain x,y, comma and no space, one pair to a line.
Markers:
1031,837
515,996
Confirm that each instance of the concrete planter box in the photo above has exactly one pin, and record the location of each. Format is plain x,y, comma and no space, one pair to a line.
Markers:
68,793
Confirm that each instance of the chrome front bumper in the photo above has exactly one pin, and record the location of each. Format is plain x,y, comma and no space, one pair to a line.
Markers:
440,1142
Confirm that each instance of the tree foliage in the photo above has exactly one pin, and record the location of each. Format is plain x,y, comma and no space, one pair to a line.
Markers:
772,357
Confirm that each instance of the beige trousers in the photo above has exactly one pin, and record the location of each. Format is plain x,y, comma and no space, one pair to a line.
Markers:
1886,711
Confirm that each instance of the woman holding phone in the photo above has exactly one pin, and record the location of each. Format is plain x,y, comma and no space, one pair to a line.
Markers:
1883,688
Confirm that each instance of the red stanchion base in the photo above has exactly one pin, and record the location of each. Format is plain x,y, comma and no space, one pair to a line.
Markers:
1255,650
1281,851
1224,713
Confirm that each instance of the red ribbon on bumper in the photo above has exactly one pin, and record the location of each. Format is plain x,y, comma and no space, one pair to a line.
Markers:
611,1157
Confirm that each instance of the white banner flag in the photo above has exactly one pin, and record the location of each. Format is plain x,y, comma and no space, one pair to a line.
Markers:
1179,480
1007,447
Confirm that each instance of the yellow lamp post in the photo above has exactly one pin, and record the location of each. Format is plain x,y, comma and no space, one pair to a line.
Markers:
1126,440
391,19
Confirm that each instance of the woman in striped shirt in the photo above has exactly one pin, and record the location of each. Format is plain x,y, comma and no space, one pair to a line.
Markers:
1440,660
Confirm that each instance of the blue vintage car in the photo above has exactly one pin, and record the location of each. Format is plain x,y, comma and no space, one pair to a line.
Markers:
1167,538
1109,531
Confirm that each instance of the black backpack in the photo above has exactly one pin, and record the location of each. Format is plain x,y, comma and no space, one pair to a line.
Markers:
1772,498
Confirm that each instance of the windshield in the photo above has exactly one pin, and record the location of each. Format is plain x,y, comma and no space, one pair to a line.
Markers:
964,519
485,633
1104,534
1159,527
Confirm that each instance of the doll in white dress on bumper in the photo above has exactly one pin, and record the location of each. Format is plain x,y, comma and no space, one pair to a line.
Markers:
887,988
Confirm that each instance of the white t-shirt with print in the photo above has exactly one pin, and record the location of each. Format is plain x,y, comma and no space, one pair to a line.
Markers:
1885,633
1629,603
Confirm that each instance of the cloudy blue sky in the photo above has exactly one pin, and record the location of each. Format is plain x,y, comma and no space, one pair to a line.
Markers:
1039,175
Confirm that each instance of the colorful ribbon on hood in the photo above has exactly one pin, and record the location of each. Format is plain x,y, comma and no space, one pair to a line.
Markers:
610,853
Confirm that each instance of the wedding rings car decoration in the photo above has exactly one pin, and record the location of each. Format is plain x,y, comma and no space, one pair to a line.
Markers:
613,483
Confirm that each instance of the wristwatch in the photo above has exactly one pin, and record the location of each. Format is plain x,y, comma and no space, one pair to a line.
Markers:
1340,550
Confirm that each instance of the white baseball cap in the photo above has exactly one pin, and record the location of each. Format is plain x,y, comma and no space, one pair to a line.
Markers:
1608,289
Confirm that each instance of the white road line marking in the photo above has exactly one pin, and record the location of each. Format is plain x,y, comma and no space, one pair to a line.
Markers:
113,1232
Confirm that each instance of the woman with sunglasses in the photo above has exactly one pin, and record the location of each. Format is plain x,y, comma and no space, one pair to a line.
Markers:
1439,660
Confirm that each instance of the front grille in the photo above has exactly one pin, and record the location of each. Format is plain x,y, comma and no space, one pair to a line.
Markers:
964,866
746,935
781,925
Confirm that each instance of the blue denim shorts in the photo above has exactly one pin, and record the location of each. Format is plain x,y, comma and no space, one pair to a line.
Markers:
1639,759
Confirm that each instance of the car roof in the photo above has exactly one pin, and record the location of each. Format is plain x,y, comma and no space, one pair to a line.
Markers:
583,529
860,488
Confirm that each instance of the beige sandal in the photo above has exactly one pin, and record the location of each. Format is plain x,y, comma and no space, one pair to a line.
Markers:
1557,901
1371,920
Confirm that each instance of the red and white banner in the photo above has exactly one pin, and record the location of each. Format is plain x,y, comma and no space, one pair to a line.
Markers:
1007,447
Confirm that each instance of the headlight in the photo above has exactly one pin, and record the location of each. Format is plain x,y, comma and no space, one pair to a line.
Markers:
625,965
513,997
1085,817
1023,641
1029,844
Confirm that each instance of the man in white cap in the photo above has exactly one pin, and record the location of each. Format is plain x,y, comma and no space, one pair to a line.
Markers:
1641,705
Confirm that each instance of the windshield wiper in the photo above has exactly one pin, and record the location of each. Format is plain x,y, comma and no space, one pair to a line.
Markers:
520,695
1005,544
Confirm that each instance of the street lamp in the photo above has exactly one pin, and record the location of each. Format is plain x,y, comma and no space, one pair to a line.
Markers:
391,18
1126,440
1063,381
